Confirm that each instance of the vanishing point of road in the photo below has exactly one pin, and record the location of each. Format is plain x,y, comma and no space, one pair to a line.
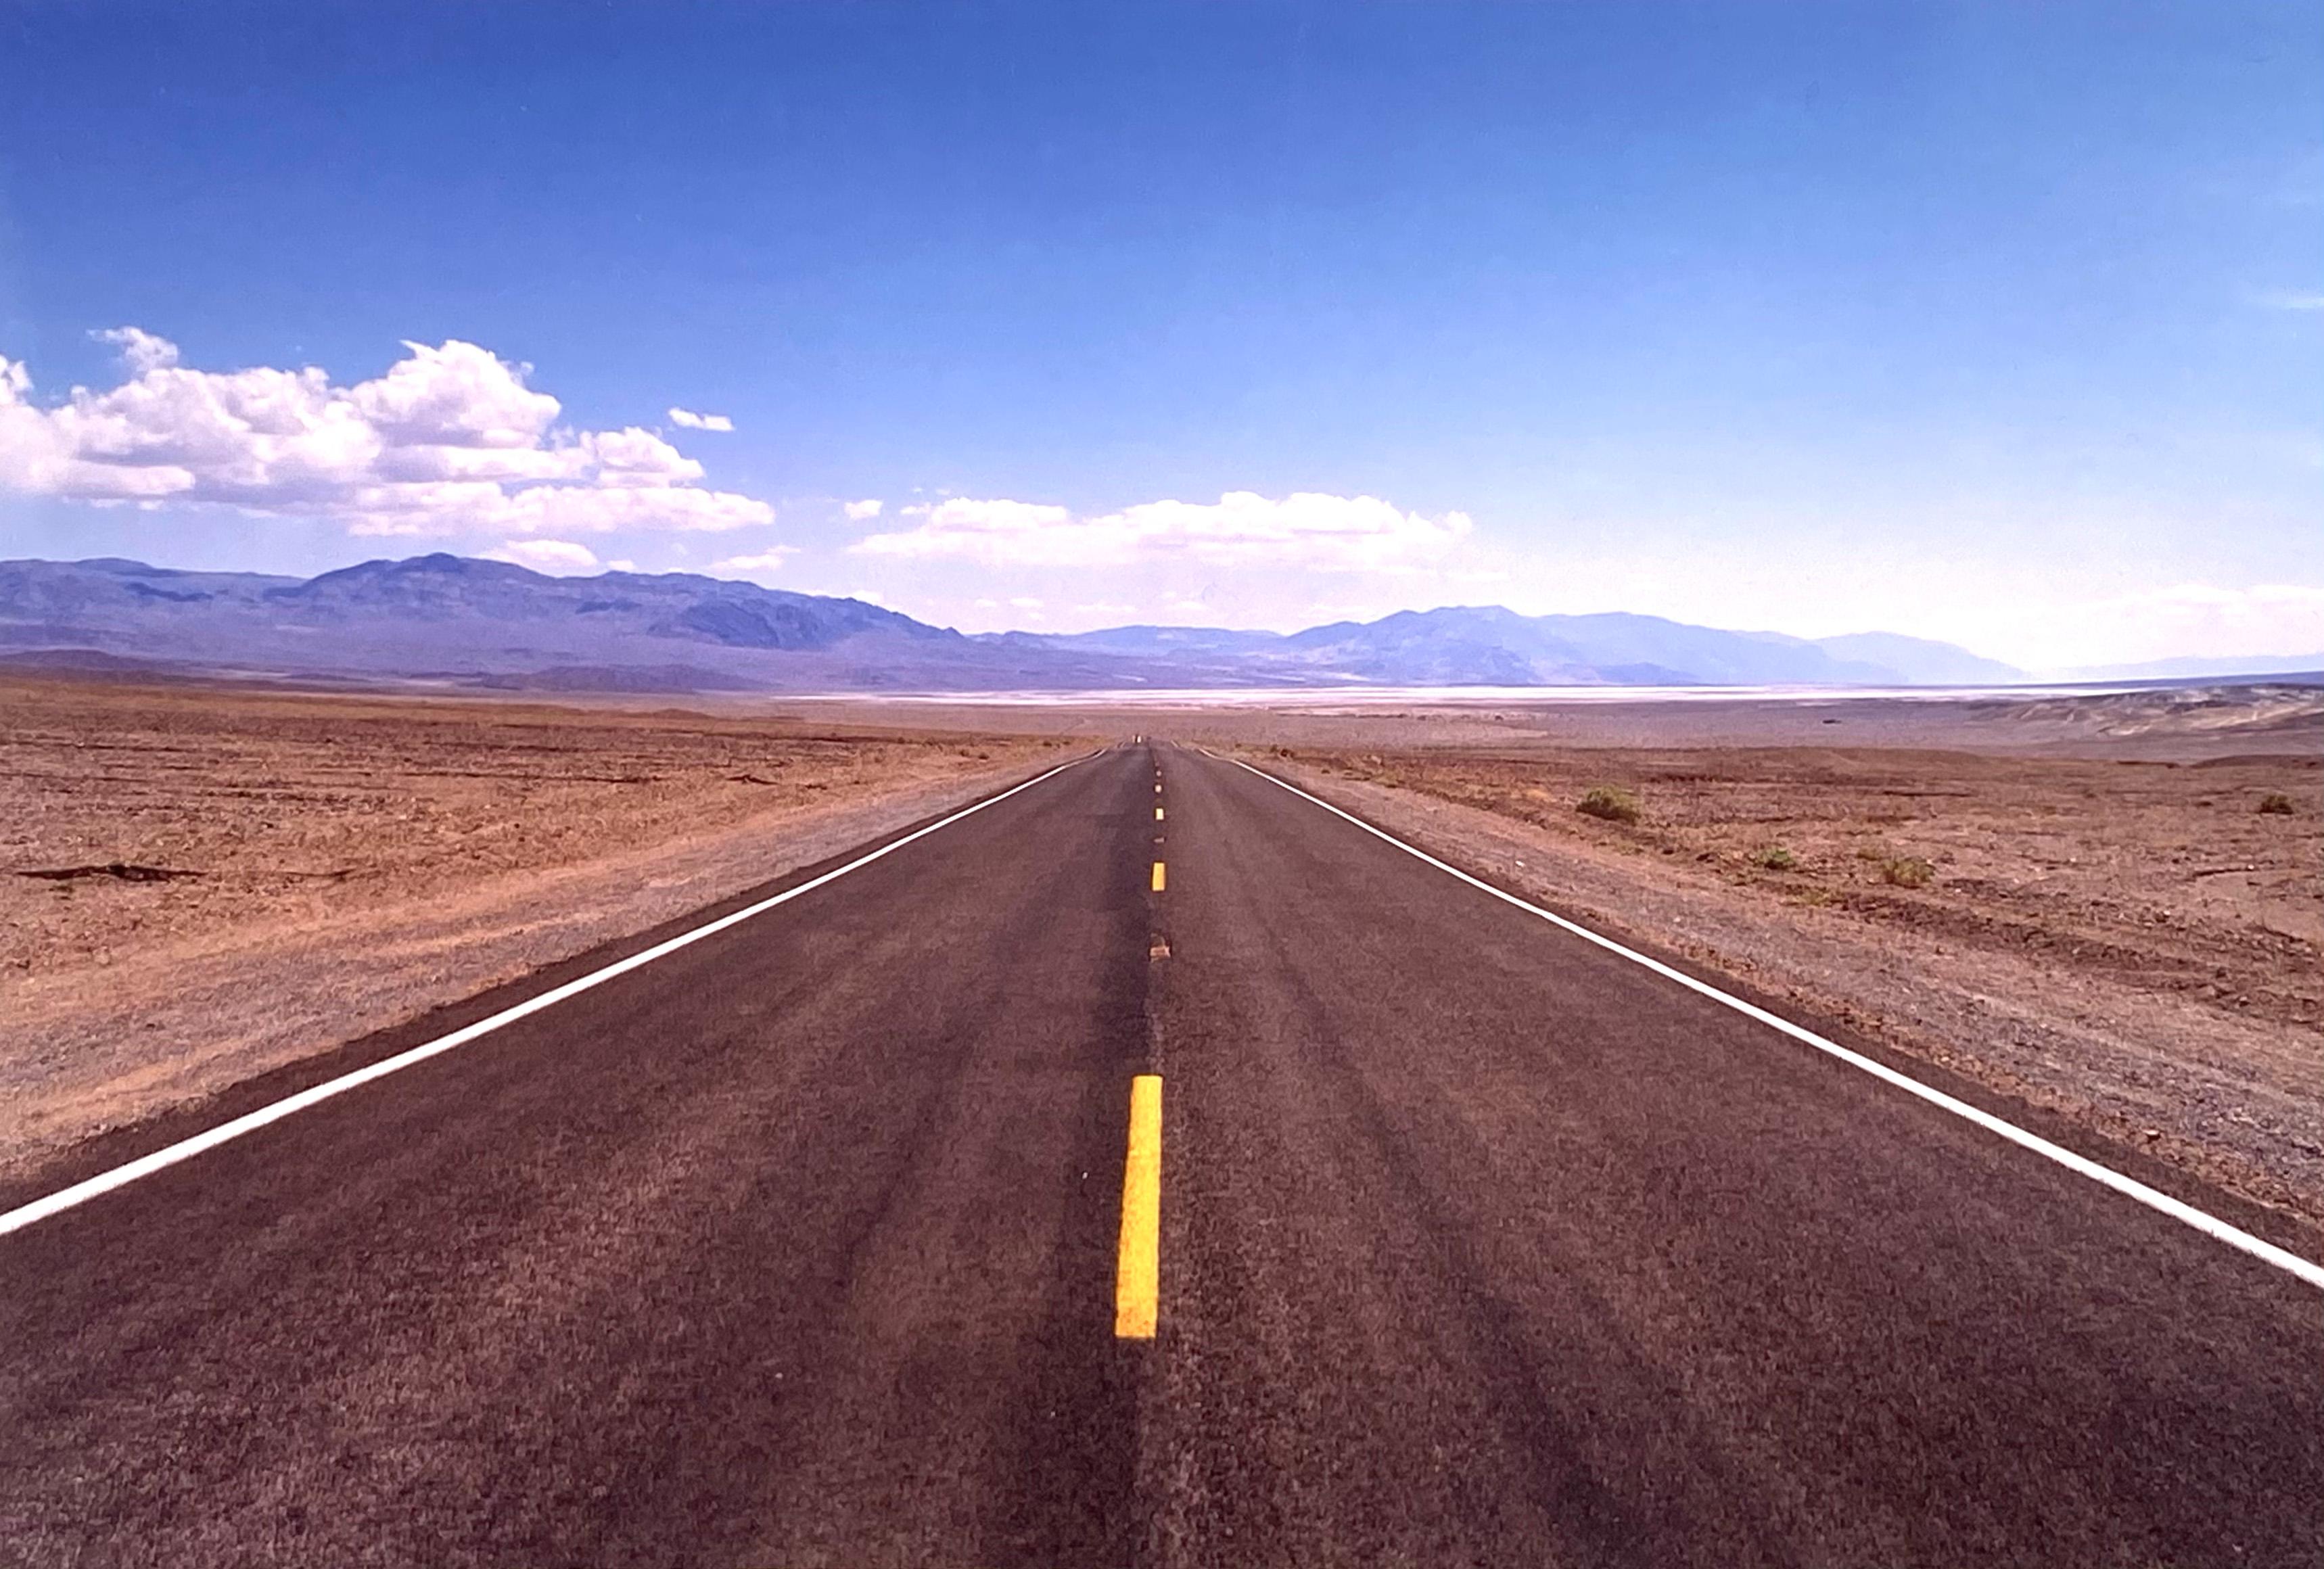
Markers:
1150,1167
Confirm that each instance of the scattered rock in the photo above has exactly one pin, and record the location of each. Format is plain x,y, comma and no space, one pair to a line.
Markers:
120,871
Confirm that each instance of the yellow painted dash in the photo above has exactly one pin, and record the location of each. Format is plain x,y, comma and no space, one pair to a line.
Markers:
1137,1276
1157,877
1157,814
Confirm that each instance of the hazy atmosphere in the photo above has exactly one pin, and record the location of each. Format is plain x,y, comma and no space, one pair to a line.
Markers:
1992,323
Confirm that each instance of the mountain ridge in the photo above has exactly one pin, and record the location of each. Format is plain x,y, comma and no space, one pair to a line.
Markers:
466,620
1493,645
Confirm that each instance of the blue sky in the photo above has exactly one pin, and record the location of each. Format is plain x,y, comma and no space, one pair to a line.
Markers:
1997,323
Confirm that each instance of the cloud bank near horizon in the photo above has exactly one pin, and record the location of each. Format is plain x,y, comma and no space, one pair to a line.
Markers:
449,440
1307,529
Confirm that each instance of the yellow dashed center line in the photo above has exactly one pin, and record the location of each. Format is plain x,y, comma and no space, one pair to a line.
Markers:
1157,877
1137,1274
1157,814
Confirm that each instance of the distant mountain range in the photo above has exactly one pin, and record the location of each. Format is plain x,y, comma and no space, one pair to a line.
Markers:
1462,646
2200,668
491,623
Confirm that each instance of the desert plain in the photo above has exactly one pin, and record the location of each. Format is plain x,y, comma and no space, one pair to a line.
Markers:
203,883
2104,909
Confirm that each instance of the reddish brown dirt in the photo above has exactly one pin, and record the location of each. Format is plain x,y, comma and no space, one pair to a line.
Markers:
197,885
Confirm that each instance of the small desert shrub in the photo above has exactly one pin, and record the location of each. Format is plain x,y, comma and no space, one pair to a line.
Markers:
1612,802
2275,804
1907,872
1776,858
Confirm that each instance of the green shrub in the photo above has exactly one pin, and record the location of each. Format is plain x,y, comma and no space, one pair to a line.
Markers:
1776,858
2275,804
1907,872
1610,802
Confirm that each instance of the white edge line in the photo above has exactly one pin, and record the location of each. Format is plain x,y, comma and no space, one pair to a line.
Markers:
2129,1187
80,1192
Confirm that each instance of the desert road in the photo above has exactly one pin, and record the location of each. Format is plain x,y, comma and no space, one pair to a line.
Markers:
824,1239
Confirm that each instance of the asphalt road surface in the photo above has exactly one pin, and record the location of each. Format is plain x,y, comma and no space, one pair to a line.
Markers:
1477,1245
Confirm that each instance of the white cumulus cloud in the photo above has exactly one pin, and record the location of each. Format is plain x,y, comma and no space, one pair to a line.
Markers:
865,509
1242,529
546,555
140,349
694,422
766,561
450,440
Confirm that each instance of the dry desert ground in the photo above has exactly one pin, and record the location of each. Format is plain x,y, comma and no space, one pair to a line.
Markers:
203,883
2075,902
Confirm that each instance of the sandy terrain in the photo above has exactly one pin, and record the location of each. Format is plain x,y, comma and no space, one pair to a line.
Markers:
2129,942
196,886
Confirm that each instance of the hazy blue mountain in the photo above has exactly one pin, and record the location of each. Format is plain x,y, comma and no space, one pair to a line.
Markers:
491,624
1487,645
2238,665
63,591
1920,662
1157,641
